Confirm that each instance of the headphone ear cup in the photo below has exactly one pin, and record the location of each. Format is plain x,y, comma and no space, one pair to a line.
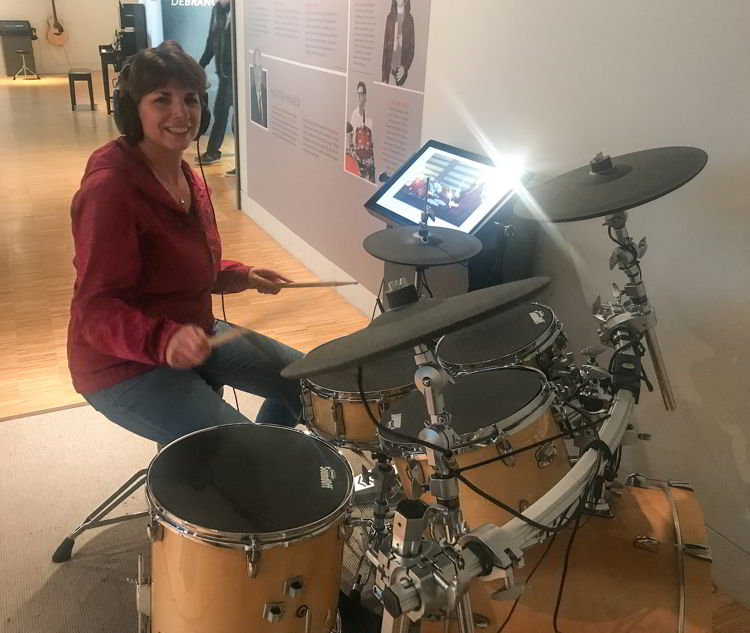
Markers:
205,116
125,112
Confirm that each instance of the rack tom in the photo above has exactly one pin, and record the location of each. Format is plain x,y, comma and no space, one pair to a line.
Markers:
246,532
333,407
529,334
498,411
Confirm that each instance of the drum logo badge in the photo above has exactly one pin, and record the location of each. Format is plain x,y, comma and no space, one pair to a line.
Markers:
327,475
537,316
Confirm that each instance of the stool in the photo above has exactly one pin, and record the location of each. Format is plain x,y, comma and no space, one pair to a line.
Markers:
96,518
80,74
25,71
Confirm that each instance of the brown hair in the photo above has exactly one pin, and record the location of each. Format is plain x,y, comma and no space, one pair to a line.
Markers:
153,68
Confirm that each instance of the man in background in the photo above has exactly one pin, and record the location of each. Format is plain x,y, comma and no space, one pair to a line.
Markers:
219,47
258,91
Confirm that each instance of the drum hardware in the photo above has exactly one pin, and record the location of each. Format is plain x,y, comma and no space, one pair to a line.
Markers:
293,586
154,529
143,597
503,445
252,557
274,611
545,454
646,543
682,485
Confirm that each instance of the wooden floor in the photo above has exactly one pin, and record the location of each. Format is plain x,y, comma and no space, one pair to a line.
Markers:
42,156
44,150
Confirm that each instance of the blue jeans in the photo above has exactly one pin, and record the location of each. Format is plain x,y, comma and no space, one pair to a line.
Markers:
165,403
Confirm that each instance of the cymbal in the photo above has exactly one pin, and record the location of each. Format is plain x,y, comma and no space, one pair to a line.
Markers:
415,325
606,186
402,245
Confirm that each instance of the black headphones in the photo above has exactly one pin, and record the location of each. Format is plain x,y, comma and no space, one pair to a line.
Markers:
126,112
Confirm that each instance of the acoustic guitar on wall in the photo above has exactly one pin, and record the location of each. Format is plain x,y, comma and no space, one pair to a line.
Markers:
56,33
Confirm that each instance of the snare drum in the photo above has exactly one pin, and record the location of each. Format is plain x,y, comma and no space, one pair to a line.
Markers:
626,573
500,410
246,531
333,407
528,334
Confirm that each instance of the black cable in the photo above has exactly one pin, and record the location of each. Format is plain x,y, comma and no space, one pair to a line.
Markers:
425,284
224,313
526,580
377,300
628,247
565,573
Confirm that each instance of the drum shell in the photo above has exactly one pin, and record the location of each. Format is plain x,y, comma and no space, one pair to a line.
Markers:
517,482
342,419
198,587
612,585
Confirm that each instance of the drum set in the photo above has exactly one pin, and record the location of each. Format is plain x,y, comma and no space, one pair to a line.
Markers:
502,451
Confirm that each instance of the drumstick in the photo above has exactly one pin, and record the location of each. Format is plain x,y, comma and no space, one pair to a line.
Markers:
317,284
225,337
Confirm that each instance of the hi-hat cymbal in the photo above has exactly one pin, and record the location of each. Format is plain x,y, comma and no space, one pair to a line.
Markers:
402,245
415,326
606,186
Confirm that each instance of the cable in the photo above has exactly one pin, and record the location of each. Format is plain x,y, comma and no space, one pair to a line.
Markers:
423,274
565,572
377,300
526,580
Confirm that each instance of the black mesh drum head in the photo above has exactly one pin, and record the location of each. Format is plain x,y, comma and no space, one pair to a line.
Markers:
249,479
476,401
497,339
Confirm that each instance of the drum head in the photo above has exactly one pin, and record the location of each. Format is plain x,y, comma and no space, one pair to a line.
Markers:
392,372
249,479
476,401
497,337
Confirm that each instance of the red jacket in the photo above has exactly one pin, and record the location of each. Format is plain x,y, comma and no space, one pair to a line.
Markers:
143,268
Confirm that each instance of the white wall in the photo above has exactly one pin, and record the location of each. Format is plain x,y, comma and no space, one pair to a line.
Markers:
87,22
555,82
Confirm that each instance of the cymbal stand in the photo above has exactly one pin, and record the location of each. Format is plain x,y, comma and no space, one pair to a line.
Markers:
631,310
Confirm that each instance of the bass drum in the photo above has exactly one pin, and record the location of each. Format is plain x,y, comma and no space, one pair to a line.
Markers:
647,570
242,517
528,334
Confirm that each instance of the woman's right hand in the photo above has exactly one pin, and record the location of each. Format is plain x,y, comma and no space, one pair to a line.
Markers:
188,348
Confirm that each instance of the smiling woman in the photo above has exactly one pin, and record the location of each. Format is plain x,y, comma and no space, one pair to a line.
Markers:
148,257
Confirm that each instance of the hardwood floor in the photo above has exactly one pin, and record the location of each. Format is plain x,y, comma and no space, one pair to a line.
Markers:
44,152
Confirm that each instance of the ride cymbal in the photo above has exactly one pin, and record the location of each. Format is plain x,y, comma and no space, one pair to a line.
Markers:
414,327
608,185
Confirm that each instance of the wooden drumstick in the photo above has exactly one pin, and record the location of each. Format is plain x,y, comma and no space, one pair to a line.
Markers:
225,337
317,284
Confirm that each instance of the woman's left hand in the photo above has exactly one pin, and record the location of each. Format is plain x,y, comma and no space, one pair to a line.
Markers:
265,280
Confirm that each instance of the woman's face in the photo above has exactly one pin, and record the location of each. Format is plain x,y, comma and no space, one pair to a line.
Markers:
170,116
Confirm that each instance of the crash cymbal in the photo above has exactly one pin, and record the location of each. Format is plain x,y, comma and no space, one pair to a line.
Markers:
412,326
608,185
402,245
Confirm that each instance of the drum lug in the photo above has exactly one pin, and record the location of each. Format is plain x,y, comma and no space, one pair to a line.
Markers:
308,413
274,611
155,530
504,446
252,555
702,552
636,480
646,543
337,412
345,529
143,598
546,454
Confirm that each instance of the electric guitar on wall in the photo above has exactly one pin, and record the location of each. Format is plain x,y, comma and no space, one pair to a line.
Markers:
56,33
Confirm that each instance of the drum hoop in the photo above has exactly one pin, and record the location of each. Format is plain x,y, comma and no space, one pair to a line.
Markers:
254,540
352,396
540,344
492,433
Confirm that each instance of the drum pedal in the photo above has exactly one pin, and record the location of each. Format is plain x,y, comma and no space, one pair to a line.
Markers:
510,593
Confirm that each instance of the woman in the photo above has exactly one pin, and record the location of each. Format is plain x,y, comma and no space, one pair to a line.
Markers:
147,258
